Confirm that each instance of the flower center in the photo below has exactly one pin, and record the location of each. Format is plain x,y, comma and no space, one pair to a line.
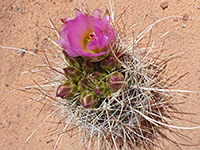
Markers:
87,39
91,36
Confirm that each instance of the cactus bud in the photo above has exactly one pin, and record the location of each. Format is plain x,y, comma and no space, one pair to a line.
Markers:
98,75
88,66
83,84
109,63
115,81
72,73
88,100
101,89
67,90
76,62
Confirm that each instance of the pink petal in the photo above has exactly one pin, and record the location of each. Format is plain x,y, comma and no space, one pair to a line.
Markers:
97,13
78,13
88,54
75,40
106,19
64,43
64,32
103,42
71,53
93,46
80,25
66,47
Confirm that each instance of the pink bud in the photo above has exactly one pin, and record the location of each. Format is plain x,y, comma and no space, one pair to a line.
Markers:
83,84
72,73
101,89
88,100
115,81
109,63
67,90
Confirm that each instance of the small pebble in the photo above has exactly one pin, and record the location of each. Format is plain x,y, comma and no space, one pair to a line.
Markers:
49,141
184,26
2,125
185,17
6,84
164,5
176,19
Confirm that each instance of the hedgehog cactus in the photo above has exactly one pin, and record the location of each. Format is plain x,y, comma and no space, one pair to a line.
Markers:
88,66
88,53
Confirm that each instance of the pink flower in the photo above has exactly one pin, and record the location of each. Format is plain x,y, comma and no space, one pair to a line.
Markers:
87,36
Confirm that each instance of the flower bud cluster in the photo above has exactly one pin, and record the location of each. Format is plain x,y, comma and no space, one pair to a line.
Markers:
90,81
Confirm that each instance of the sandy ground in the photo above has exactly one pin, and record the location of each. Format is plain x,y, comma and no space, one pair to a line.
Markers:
18,117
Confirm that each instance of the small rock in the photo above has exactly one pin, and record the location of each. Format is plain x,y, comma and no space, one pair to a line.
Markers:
176,19
2,125
184,26
198,7
49,141
6,84
164,5
185,17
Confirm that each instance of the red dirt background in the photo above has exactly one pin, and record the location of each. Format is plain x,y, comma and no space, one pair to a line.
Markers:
18,117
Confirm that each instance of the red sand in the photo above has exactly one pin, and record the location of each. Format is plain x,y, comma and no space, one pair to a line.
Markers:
17,29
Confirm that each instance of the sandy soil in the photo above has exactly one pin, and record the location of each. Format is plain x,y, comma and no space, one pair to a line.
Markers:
18,117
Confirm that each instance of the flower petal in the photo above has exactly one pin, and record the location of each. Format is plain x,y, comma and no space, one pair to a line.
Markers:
96,13
106,19
103,42
64,43
78,13
66,47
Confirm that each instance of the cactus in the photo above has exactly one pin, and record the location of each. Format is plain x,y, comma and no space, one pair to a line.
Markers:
115,81
88,100
72,73
67,90
83,84
109,64
101,89
88,66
